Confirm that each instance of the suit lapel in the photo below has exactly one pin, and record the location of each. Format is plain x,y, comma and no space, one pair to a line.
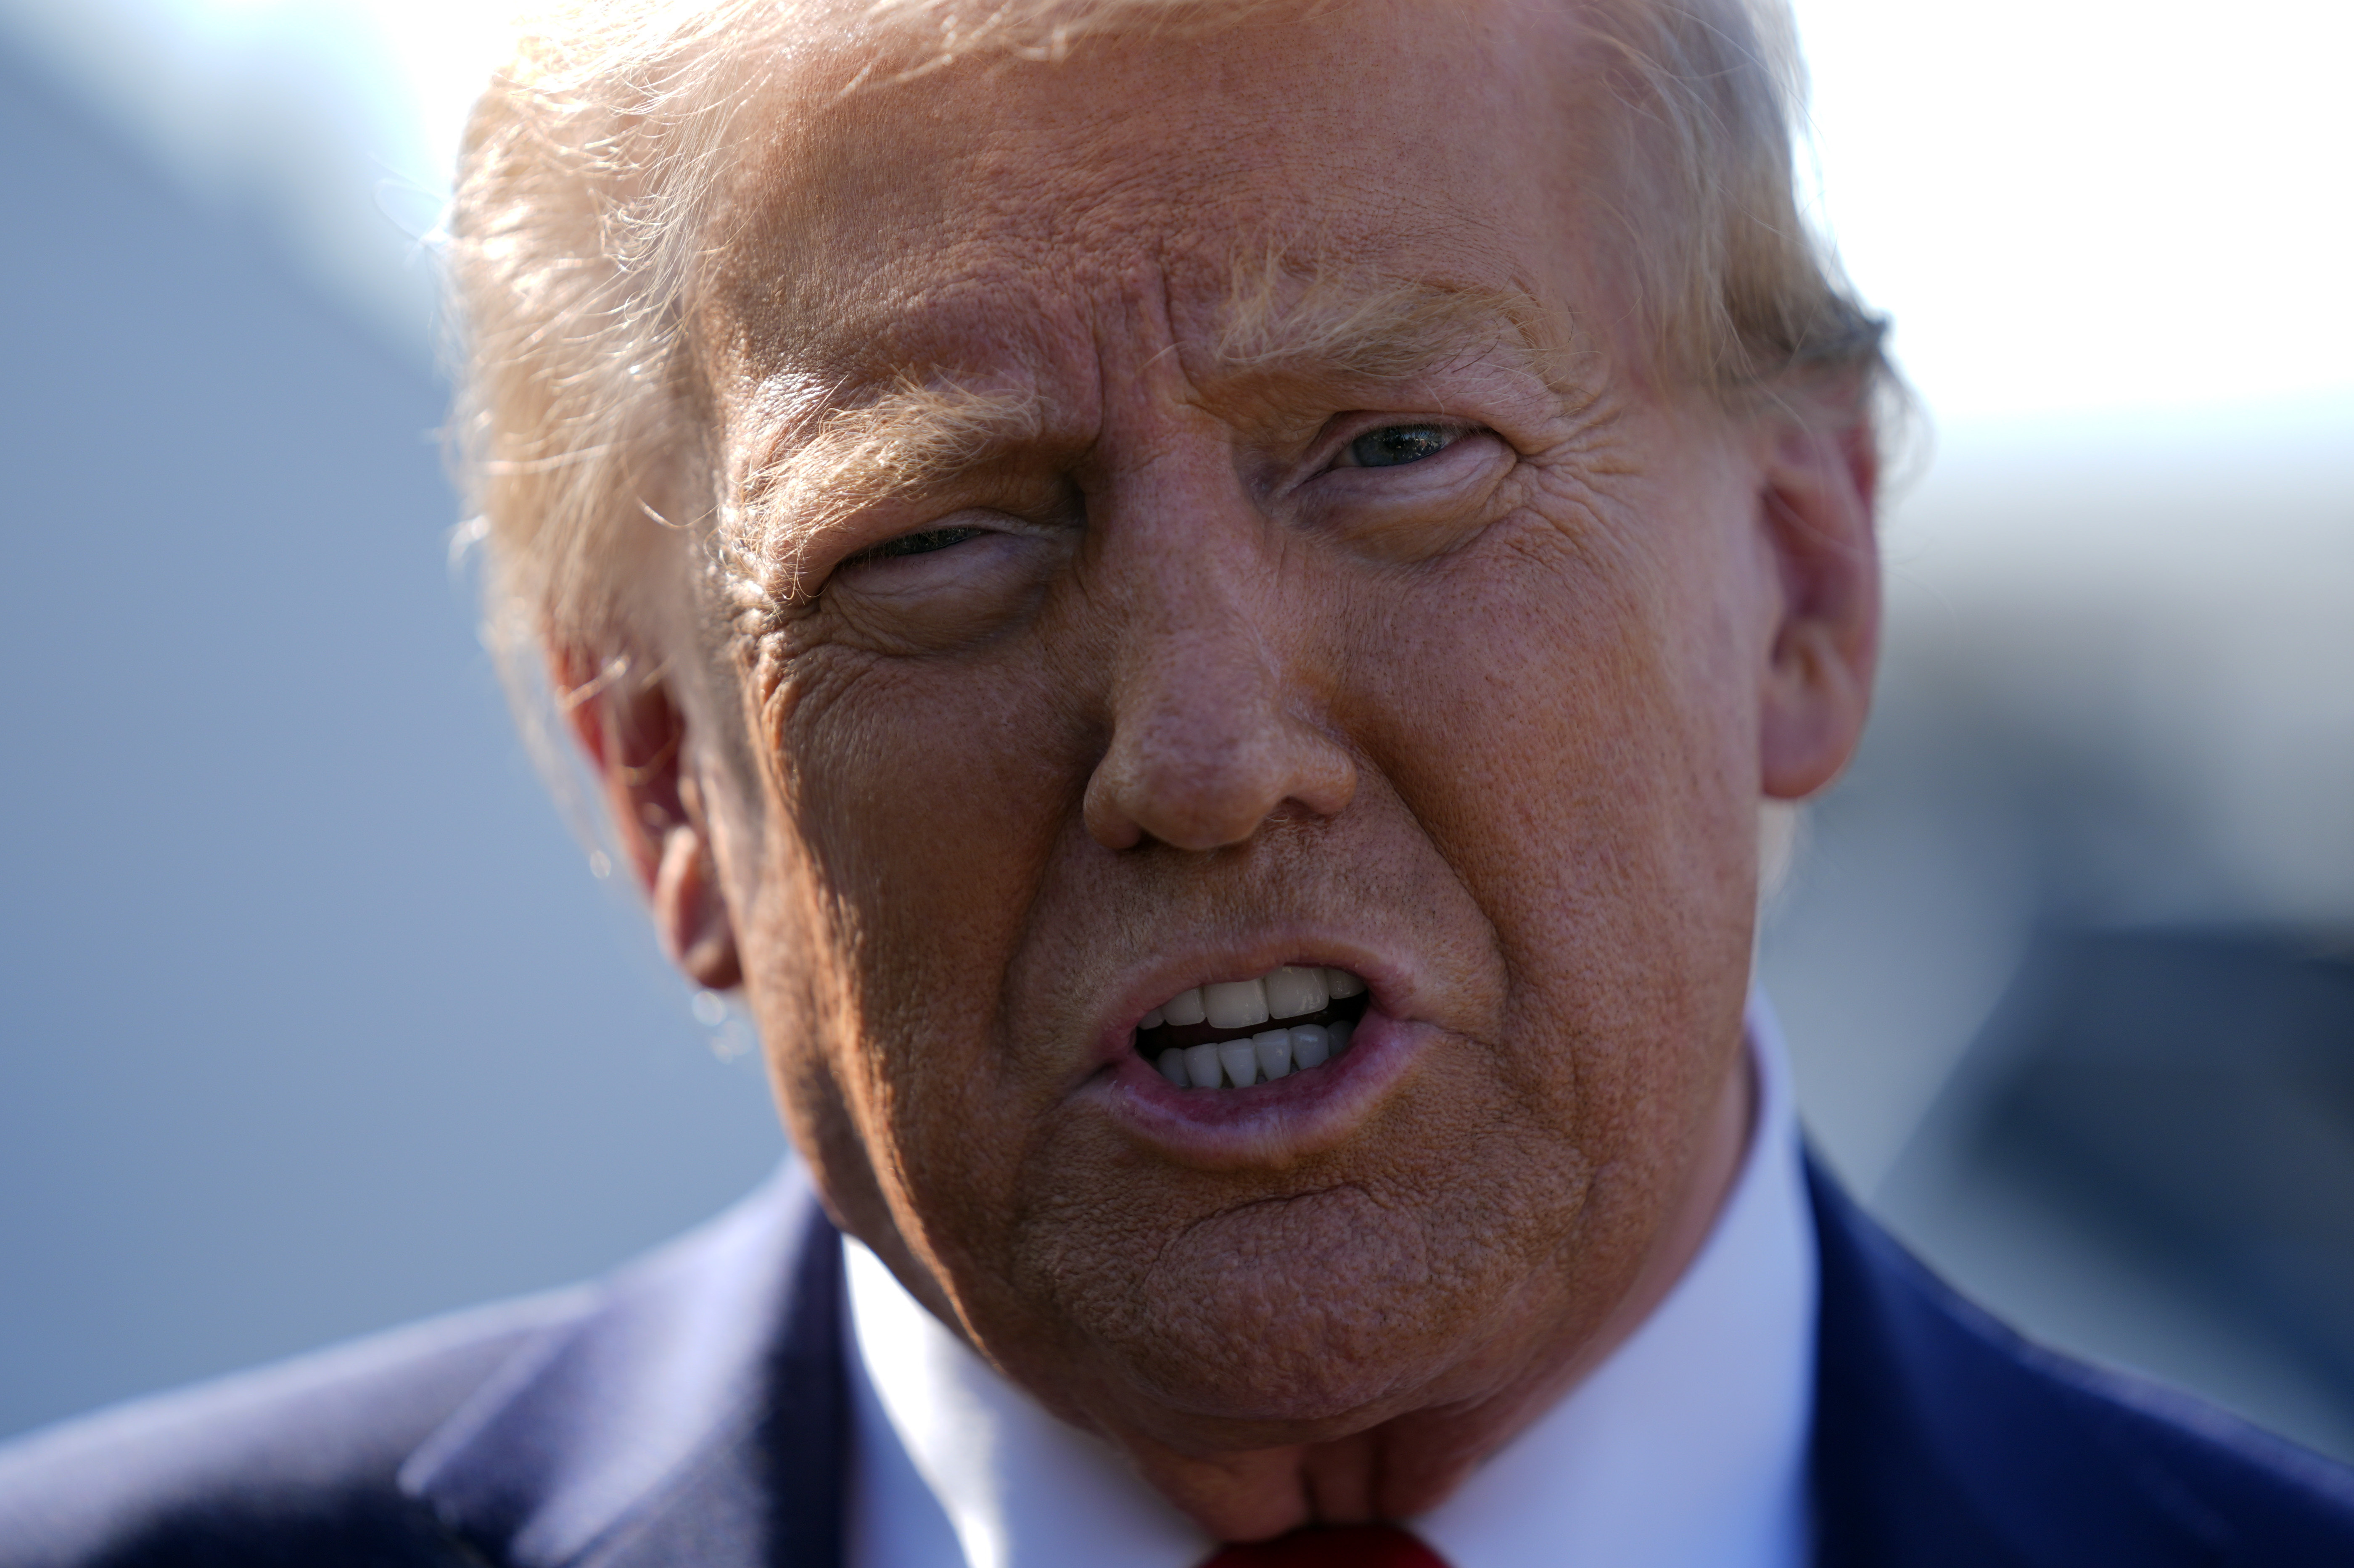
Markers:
1883,1496
697,1413
1941,1437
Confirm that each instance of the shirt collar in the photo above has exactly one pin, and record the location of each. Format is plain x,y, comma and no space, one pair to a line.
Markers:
1686,1447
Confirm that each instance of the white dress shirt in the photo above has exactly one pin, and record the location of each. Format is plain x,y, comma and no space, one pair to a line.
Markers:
1686,1449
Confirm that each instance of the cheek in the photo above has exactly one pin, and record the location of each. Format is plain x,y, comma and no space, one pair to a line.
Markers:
925,795
1582,695
926,802
1563,715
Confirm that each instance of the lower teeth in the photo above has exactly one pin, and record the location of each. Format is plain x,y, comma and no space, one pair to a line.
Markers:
1269,1055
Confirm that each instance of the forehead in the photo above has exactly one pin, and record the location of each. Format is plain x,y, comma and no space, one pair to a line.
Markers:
894,214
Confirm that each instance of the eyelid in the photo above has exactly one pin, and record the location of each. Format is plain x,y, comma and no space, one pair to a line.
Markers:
875,551
872,532
920,573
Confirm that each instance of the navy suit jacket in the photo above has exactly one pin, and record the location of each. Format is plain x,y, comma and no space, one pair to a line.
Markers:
693,1410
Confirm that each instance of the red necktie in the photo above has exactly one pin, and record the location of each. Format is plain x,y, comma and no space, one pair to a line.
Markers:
1332,1546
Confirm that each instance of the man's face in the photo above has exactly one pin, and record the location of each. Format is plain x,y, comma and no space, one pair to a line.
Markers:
1288,563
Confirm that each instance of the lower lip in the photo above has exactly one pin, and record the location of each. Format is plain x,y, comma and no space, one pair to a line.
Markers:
1268,1123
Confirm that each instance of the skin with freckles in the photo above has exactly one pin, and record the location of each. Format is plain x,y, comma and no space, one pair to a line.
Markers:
1286,555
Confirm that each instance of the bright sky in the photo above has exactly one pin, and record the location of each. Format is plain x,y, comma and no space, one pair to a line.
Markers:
2072,208
2088,205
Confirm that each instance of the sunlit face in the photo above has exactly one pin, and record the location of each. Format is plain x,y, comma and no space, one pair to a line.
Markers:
1373,616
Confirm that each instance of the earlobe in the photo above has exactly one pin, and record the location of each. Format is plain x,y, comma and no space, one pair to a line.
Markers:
690,913
1816,508
634,738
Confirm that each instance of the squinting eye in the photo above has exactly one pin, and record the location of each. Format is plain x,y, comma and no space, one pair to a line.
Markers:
1394,444
922,544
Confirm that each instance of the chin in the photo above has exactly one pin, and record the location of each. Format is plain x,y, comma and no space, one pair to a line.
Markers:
1298,1318
1283,1395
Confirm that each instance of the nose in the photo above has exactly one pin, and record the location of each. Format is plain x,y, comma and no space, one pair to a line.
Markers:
1214,723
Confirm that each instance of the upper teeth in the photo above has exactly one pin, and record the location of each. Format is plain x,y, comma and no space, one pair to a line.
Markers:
1291,992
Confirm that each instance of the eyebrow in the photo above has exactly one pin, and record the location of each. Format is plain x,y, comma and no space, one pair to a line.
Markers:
1370,328
918,435
914,435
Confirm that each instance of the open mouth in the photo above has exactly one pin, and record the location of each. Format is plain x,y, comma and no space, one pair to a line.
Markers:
1235,1033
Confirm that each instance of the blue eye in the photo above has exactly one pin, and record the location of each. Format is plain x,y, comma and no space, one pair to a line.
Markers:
1393,445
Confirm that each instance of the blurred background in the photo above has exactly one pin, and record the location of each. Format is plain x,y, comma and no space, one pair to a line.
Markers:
314,1016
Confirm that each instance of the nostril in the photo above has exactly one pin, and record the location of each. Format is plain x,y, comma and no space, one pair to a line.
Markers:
1194,806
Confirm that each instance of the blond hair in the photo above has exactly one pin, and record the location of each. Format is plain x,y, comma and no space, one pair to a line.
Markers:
592,161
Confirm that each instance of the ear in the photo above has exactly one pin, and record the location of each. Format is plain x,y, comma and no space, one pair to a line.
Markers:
1817,507
634,735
